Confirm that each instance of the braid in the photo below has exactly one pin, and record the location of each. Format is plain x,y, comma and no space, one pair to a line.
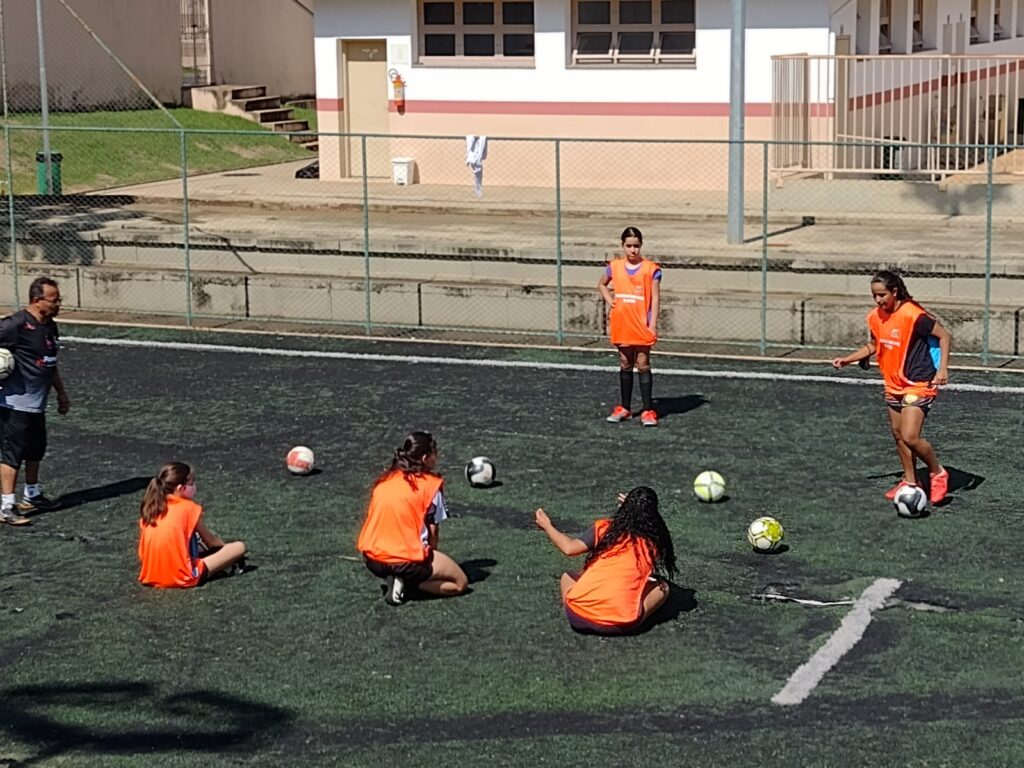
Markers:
638,518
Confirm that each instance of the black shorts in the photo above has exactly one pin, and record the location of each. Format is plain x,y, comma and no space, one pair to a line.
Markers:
413,574
22,436
899,402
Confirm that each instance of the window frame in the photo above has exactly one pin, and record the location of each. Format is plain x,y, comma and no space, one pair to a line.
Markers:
497,31
613,58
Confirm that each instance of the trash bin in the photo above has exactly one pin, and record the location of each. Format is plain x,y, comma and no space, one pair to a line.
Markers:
403,170
55,158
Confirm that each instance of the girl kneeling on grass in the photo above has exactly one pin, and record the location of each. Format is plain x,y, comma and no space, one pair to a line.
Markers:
399,537
175,546
625,578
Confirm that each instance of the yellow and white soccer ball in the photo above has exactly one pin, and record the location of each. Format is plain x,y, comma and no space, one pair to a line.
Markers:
709,486
765,534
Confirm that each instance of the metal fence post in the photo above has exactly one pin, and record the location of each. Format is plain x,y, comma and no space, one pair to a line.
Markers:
764,249
366,237
987,311
186,226
11,218
559,330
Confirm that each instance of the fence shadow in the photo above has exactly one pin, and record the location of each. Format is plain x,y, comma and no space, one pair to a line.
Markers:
102,492
38,717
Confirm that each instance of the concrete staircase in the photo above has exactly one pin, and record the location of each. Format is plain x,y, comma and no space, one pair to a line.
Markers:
253,103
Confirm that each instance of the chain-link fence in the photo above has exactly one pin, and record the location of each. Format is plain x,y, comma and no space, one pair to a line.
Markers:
398,235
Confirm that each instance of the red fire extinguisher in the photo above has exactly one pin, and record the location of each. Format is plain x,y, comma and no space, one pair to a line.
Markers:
398,88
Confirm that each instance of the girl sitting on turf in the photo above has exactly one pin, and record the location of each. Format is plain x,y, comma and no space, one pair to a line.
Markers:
175,546
625,578
902,336
399,537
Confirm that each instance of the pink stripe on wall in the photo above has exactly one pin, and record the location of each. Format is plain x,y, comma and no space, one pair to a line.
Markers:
926,86
592,108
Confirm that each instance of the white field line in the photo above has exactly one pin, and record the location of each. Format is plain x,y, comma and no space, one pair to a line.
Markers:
542,366
849,633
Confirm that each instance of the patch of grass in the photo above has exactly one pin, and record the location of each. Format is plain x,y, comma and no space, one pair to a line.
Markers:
98,157
301,662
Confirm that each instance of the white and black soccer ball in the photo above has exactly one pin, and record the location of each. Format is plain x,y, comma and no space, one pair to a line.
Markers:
6,363
480,472
910,501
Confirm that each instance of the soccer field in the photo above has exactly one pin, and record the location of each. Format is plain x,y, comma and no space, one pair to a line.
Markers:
300,661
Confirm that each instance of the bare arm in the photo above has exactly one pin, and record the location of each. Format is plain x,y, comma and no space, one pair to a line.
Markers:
564,544
432,535
655,305
210,539
945,346
859,354
606,294
63,401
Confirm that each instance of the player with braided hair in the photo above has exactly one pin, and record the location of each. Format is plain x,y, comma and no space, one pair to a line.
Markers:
626,574
912,349
399,537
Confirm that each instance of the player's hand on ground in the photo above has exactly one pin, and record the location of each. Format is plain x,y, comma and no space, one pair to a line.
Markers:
541,518
63,404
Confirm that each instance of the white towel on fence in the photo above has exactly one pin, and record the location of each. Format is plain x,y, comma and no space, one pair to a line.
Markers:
476,153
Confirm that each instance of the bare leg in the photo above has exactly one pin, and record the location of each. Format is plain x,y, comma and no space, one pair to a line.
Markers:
224,557
447,579
8,478
905,453
910,430
655,595
566,583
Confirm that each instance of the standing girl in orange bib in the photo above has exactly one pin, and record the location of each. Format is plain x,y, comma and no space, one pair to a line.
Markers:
633,300
913,367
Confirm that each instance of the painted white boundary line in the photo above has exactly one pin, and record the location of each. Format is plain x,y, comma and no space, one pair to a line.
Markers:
478,363
849,633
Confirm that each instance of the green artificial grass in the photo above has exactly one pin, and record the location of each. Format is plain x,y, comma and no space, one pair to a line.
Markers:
100,158
300,662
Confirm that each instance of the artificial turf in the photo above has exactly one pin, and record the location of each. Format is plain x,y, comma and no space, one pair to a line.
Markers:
300,662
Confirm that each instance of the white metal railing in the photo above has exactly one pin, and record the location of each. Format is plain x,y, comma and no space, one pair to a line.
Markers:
924,115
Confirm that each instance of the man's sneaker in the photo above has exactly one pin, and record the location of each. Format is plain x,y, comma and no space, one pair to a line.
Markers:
37,504
939,486
891,493
649,419
9,516
618,414
394,593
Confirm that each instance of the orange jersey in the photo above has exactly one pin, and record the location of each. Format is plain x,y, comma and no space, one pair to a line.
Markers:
630,319
901,346
396,525
610,591
165,548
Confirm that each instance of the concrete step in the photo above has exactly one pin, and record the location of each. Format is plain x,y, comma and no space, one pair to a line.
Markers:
288,126
263,102
242,92
264,116
312,146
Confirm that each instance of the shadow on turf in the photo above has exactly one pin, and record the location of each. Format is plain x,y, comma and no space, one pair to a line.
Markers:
43,717
476,570
959,480
666,406
680,600
100,493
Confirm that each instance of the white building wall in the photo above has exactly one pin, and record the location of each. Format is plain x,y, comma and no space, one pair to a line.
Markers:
786,26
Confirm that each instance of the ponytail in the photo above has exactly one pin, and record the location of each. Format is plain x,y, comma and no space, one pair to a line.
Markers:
408,459
154,501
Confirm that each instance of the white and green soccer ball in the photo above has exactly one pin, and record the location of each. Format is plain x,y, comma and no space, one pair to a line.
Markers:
709,486
765,534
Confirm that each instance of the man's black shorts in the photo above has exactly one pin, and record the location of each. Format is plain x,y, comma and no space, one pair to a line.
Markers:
412,574
22,436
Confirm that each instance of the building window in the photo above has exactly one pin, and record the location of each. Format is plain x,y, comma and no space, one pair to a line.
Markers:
917,27
634,31
975,34
998,29
460,29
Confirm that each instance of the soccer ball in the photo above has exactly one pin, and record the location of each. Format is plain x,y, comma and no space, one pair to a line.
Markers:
300,460
910,501
764,534
6,363
709,486
480,472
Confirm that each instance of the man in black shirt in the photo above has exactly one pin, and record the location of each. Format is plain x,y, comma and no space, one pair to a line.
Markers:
31,335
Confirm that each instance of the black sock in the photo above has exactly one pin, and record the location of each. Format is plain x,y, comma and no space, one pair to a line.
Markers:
626,388
646,385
